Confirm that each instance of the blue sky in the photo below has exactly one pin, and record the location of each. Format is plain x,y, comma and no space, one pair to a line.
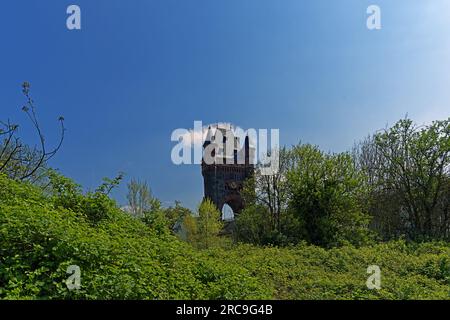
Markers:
139,69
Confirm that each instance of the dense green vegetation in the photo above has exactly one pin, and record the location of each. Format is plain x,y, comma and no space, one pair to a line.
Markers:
395,184
309,231
122,257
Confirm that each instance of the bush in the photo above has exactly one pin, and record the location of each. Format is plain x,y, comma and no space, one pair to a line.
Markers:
120,257
327,193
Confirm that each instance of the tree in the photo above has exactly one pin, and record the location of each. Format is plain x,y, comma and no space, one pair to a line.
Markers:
266,218
189,232
209,225
270,191
409,168
176,214
139,197
327,193
108,184
146,207
95,206
251,225
18,160
155,218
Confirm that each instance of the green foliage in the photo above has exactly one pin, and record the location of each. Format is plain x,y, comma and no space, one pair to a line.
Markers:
270,192
175,215
203,230
94,206
252,227
145,207
139,198
395,185
109,184
309,272
411,171
189,227
316,197
122,258
154,217
119,256
326,195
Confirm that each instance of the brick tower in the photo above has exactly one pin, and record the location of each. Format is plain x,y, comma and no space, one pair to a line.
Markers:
223,179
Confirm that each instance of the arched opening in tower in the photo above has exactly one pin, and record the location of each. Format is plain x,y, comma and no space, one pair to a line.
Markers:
227,213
